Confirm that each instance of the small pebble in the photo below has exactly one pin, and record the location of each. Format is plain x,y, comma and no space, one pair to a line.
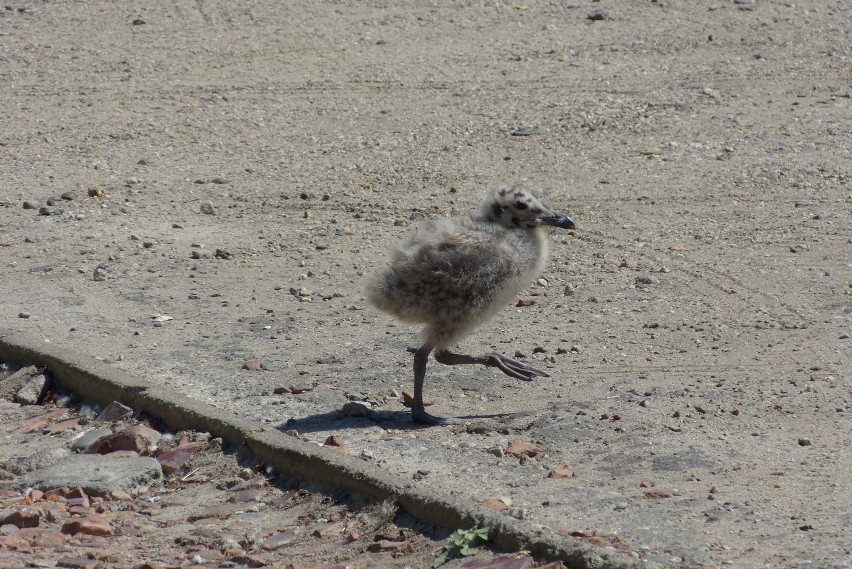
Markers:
207,208
528,131
30,204
561,473
518,513
50,210
804,442
354,409
494,504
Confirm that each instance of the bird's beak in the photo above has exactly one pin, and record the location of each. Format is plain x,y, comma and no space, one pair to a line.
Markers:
556,219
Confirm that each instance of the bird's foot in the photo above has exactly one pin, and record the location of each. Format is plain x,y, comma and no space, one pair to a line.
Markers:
514,368
425,418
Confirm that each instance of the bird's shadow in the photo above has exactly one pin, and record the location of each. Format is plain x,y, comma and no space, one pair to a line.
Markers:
388,420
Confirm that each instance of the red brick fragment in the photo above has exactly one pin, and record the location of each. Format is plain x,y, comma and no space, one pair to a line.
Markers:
523,448
94,525
258,481
408,399
39,537
63,425
138,438
176,458
23,517
113,412
561,473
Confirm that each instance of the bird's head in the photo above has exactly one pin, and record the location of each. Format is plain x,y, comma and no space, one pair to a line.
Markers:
513,207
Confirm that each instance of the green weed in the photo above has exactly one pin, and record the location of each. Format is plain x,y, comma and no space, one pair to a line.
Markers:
464,543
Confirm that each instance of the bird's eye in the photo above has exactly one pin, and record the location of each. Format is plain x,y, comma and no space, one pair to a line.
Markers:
521,205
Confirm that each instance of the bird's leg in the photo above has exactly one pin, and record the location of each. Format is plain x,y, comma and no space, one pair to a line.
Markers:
418,409
512,368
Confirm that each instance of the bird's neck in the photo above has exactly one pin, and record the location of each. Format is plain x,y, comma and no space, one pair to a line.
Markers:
542,246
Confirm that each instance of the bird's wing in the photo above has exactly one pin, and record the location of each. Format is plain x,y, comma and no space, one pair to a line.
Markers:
463,265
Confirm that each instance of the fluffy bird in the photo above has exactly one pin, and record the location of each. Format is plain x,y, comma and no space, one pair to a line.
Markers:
454,274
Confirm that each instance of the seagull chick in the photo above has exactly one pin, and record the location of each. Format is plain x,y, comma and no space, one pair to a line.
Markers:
454,274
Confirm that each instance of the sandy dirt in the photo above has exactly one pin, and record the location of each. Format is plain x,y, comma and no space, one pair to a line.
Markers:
696,325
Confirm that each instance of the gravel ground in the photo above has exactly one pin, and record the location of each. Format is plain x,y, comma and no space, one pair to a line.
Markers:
196,192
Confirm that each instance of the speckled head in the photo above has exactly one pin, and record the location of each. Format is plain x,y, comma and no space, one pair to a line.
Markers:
513,207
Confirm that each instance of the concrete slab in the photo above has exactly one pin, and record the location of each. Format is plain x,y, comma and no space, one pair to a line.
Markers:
96,475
